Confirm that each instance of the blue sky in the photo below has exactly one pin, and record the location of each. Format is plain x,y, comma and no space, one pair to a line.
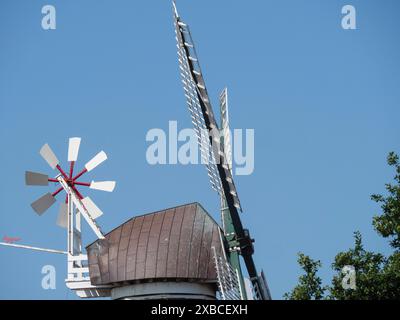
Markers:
324,103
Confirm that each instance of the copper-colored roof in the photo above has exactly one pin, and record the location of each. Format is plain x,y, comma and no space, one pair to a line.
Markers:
169,244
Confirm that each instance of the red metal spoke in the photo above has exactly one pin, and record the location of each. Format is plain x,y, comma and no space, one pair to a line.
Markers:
79,174
57,191
52,180
71,169
62,172
86,184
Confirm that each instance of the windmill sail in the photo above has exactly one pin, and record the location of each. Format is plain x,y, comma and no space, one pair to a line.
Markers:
36,179
43,203
203,118
225,130
199,105
73,148
193,102
47,154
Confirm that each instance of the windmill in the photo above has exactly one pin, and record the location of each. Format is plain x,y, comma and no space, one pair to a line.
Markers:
70,181
214,143
71,210
163,254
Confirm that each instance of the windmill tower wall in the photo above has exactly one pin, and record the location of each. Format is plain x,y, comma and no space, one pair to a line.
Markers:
164,290
162,255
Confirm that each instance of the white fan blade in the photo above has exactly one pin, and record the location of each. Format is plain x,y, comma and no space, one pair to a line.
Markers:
90,206
49,156
73,148
103,185
62,218
36,179
43,203
97,159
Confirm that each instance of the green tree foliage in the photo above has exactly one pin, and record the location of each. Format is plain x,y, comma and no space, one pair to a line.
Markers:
388,223
369,268
310,285
377,276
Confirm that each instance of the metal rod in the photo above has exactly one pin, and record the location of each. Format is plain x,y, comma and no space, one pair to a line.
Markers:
62,171
79,174
52,180
71,169
57,191
31,248
86,184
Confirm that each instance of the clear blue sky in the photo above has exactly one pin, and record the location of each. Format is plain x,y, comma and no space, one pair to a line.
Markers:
324,103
